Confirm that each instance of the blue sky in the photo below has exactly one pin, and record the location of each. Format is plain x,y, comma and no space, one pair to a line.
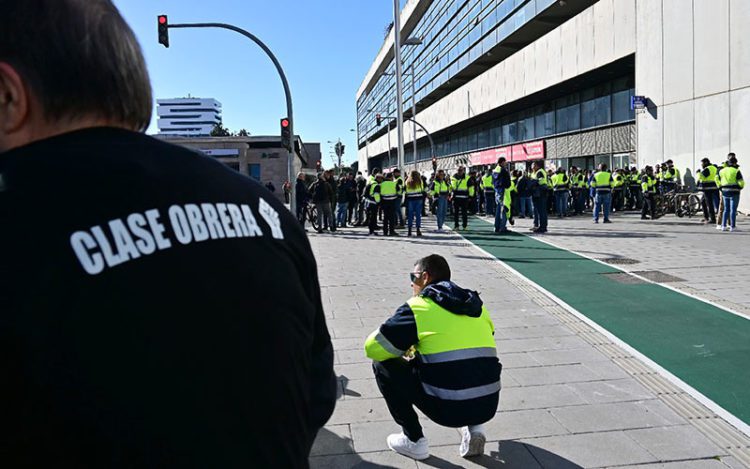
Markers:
325,47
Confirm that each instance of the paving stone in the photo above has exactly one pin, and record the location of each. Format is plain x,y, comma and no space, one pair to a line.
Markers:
518,360
361,389
600,392
333,439
371,436
532,332
350,343
543,343
523,424
353,356
359,410
539,397
378,460
568,357
354,370
616,416
668,444
552,374
588,450
504,455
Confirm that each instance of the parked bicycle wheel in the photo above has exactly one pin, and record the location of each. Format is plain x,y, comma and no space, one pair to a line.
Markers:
312,216
695,204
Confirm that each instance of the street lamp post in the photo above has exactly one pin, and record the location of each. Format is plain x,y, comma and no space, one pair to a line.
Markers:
399,91
413,41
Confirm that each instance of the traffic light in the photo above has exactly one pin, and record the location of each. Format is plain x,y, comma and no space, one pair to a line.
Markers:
286,134
339,148
163,23
317,165
434,163
378,119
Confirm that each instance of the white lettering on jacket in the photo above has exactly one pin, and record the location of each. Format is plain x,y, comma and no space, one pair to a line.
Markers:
140,235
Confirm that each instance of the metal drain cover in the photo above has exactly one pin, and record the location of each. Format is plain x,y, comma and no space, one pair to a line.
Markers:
624,278
620,261
658,276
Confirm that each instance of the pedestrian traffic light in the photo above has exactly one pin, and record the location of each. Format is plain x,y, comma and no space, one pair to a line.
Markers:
434,163
317,165
378,119
163,24
286,134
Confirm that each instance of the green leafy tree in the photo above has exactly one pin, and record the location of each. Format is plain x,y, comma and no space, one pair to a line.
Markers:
220,131
243,133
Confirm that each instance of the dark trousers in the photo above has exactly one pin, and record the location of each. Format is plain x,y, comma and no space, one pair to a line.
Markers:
634,201
618,199
351,209
649,205
540,207
301,206
460,205
578,195
710,205
389,216
402,390
372,216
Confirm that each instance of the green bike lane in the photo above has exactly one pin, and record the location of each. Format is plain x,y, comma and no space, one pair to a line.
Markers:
706,347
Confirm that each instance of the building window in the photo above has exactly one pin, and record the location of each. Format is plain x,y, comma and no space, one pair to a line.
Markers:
253,169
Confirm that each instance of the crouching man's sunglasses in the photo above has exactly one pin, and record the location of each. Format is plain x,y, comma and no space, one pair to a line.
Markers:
415,275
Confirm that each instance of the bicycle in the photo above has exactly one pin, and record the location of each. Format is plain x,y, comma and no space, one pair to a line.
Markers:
689,204
680,203
311,215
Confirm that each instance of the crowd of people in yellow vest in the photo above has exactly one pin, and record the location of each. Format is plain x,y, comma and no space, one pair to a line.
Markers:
505,193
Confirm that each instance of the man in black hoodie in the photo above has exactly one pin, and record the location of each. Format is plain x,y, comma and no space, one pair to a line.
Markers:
157,309
437,352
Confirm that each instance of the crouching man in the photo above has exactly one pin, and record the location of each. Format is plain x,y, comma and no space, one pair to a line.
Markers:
437,352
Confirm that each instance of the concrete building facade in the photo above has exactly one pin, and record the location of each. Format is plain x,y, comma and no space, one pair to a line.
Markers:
259,157
533,79
188,117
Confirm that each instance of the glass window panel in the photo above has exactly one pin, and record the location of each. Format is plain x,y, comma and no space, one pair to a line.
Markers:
496,136
603,105
588,108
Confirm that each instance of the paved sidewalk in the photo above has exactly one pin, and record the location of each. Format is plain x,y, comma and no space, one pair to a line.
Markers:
570,397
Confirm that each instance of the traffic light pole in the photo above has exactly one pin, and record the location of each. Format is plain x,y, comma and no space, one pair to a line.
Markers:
289,109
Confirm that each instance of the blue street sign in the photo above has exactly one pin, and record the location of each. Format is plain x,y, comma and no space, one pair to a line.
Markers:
638,102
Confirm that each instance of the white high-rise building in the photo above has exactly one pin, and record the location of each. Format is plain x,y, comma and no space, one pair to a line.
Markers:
188,117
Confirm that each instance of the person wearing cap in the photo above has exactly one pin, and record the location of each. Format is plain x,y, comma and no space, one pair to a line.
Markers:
707,184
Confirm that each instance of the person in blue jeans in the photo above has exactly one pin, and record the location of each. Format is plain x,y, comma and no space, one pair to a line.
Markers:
601,182
440,191
525,205
501,182
731,182
415,193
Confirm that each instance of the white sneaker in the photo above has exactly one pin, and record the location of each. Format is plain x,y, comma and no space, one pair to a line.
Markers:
725,228
732,229
718,227
472,441
401,444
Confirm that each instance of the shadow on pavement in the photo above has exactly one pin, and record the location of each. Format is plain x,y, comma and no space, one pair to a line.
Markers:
333,451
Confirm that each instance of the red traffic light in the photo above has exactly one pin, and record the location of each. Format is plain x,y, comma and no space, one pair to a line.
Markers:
285,123
163,19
